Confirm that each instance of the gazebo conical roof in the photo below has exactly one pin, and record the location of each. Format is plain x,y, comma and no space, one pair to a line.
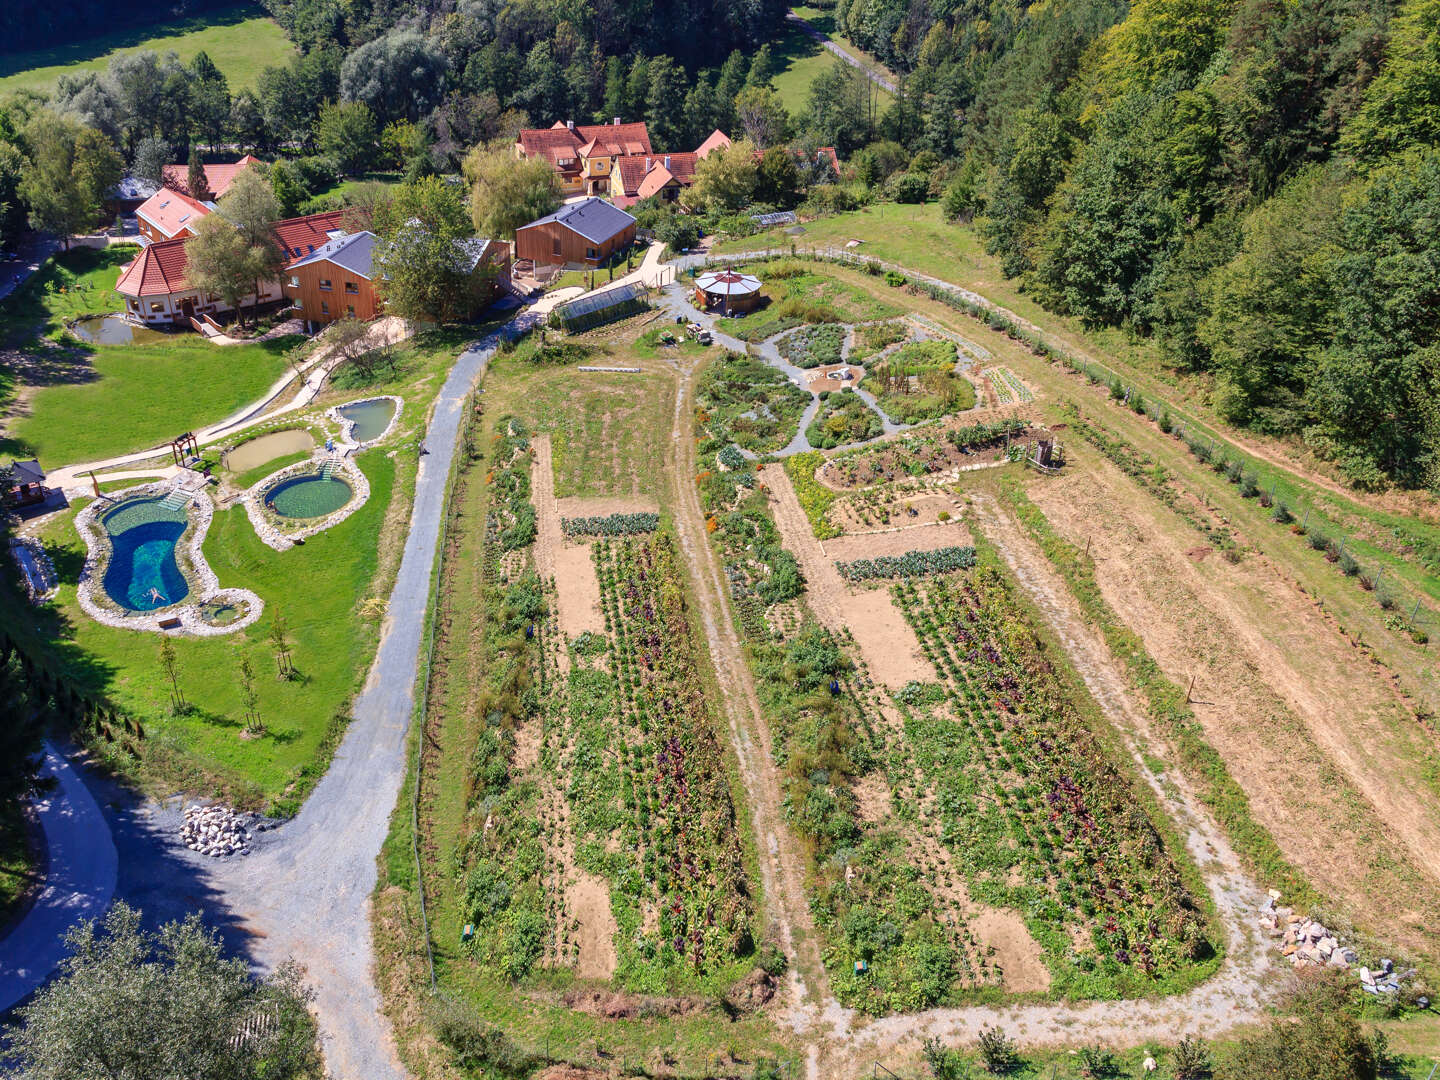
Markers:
727,283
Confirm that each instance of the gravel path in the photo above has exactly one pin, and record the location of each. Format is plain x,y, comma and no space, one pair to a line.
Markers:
79,881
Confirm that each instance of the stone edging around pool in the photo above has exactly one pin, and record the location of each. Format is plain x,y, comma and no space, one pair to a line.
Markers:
347,427
267,525
91,594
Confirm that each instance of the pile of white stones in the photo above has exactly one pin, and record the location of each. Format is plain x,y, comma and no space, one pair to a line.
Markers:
1307,943
216,831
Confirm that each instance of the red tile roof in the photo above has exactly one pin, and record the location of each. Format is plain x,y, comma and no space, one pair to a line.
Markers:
563,146
717,140
172,212
302,235
218,178
158,270
644,175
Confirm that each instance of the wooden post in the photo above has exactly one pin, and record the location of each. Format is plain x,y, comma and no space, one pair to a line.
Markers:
96,482
1189,689
1414,611
1087,547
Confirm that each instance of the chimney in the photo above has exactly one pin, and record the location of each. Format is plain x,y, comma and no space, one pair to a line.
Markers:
570,124
616,121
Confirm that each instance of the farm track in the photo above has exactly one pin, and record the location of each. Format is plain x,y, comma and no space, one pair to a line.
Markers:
781,863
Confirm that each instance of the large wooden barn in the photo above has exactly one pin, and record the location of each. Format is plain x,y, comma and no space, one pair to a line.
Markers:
580,235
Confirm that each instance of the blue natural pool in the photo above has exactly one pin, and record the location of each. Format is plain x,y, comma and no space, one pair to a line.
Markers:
308,496
371,418
142,574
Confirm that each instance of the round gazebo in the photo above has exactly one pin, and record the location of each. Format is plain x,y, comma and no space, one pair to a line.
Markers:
729,291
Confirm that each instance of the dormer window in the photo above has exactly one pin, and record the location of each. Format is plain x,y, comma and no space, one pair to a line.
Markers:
297,252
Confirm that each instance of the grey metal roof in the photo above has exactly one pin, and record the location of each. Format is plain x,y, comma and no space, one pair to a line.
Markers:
594,219
469,252
353,252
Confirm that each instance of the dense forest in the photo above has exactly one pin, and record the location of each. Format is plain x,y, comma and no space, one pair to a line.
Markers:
1254,184
1251,185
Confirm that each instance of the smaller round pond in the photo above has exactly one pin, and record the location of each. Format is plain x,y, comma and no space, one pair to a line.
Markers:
142,574
370,418
113,330
310,495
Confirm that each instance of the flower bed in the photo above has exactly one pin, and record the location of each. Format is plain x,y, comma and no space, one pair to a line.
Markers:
1035,807
910,564
650,797
204,587
844,417
745,401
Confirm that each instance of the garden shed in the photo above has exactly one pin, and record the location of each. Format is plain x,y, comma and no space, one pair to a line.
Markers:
727,291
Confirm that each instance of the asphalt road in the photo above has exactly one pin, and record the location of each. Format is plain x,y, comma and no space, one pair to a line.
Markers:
304,891
79,882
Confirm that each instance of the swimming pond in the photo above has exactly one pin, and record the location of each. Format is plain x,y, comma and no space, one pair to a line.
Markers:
143,574
310,495
370,418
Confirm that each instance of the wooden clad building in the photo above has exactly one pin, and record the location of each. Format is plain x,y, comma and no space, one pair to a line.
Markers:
580,235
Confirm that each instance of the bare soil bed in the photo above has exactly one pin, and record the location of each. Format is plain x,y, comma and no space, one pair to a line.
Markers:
1313,734
566,561
880,512
880,631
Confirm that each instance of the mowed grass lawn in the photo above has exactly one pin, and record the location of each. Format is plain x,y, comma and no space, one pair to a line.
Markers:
800,58
89,402
330,590
241,41
318,587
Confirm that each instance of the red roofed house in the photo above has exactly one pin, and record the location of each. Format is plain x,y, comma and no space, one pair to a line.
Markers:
218,178
662,175
157,293
718,140
168,214
584,155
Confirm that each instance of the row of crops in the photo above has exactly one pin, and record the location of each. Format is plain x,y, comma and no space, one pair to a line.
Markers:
500,865
910,564
1007,386
611,524
648,793
512,514
1033,807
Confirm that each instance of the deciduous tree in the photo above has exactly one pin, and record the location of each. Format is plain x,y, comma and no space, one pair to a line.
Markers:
127,1003
507,193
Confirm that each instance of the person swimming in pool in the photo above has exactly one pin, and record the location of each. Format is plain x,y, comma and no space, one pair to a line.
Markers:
157,597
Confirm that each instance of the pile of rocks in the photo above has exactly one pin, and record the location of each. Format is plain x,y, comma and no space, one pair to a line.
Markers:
1307,943
216,831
